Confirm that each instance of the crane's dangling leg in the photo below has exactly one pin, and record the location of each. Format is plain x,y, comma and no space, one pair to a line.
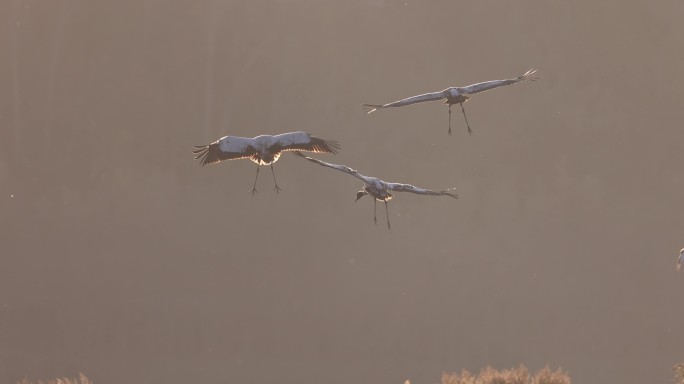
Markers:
277,188
375,211
255,180
387,213
449,119
470,131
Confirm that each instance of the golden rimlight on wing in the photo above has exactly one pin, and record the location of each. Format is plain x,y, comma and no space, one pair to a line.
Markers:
263,150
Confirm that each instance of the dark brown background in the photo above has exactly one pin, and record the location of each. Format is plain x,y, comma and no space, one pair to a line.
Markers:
124,259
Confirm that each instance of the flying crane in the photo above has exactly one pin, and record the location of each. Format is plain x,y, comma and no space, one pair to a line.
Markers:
455,95
263,150
380,190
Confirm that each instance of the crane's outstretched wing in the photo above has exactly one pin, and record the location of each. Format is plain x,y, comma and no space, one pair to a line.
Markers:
421,191
342,168
433,96
225,148
302,141
530,75
680,260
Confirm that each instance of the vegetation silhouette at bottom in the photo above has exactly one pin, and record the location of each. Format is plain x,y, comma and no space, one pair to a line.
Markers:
679,373
519,375
82,379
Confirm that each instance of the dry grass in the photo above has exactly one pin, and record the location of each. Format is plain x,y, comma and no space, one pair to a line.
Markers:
679,373
489,375
518,375
82,379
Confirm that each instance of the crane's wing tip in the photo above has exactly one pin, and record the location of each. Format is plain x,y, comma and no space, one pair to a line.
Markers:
334,147
449,192
370,108
201,152
530,75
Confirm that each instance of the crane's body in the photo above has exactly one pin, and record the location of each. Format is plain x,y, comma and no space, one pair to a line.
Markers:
455,95
380,190
263,149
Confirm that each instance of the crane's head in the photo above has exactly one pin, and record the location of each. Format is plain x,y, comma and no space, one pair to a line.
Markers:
360,194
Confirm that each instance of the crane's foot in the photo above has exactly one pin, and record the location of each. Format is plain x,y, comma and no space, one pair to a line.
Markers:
470,131
253,191
375,220
277,188
449,132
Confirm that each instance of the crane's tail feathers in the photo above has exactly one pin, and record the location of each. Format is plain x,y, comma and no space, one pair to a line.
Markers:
370,108
530,75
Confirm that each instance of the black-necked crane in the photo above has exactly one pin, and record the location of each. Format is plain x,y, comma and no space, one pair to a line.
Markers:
380,190
680,259
455,95
263,150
